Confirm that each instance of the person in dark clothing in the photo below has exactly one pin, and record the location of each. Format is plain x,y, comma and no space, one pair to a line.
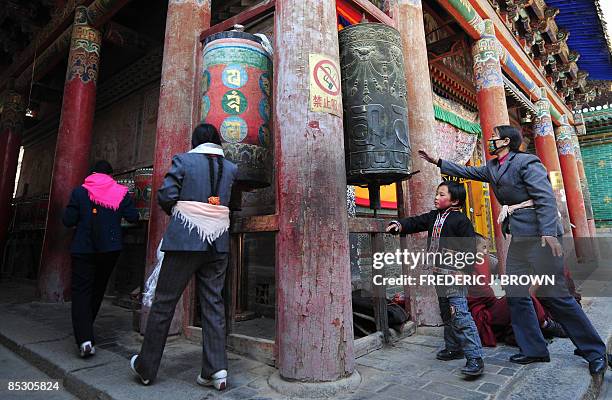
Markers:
449,230
530,214
492,314
195,193
95,209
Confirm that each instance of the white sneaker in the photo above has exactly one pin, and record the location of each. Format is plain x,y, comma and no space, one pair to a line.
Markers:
133,366
218,380
87,349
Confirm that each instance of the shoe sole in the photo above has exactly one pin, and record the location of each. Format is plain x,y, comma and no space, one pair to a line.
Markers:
219,384
529,362
133,368
480,372
89,353
450,359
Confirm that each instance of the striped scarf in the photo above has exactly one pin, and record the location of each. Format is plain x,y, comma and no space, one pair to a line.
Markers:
437,228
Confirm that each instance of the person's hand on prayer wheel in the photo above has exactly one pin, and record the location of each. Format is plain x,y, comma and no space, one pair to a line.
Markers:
432,158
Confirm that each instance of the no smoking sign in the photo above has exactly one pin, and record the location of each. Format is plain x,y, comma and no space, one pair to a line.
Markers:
324,85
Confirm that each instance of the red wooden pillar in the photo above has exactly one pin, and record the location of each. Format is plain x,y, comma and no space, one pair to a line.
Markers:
546,149
71,154
586,193
178,112
314,324
418,193
573,190
492,109
11,125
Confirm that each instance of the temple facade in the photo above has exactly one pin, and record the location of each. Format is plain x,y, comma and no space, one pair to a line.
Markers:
127,81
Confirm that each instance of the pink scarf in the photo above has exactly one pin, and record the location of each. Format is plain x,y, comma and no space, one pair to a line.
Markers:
104,191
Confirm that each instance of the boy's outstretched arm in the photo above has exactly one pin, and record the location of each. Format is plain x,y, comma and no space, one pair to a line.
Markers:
418,223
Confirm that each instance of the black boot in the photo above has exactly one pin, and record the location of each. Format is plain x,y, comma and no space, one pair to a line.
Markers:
523,359
598,366
553,329
447,355
473,367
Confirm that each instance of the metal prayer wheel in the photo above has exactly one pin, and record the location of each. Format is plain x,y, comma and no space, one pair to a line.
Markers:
376,139
143,182
236,90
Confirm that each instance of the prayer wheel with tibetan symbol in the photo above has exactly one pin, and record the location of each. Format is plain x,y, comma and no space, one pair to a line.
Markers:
236,91
376,139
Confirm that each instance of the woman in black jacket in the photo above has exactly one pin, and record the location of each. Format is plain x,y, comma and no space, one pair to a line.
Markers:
95,209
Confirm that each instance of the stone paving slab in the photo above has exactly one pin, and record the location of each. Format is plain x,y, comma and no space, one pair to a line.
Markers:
41,333
566,376
13,368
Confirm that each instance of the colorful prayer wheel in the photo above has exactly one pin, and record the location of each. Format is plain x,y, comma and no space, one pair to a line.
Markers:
129,182
376,139
143,181
236,92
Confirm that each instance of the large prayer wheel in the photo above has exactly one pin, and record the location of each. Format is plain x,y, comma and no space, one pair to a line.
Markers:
143,183
236,90
374,99
129,182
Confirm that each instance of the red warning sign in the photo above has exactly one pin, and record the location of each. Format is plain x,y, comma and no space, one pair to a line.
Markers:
325,93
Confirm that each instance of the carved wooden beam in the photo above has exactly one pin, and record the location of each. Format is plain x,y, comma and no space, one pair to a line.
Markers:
495,5
559,49
45,37
538,7
122,36
547,26
570,69
552,64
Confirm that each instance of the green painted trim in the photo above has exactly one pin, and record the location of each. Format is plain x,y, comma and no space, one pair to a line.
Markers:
453,119
605,129
464,8
555,114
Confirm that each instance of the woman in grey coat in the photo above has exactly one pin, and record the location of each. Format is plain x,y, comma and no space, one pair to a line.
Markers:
195,193
521,185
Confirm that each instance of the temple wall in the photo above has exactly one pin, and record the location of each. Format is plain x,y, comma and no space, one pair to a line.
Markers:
123,134
36,167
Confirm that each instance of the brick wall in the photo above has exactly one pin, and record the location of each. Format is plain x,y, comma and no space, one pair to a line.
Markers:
597,160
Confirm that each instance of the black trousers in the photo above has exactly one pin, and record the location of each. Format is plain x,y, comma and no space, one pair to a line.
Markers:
526,256
177,269
90,274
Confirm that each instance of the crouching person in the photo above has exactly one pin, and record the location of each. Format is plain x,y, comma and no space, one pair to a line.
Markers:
195,193
447,229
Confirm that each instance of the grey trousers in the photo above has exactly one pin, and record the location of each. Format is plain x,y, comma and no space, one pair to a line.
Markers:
176,271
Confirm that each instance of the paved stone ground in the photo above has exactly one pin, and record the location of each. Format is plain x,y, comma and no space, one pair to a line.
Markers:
42,334
13,369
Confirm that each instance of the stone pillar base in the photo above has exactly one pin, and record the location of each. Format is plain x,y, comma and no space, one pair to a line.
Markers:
314,390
